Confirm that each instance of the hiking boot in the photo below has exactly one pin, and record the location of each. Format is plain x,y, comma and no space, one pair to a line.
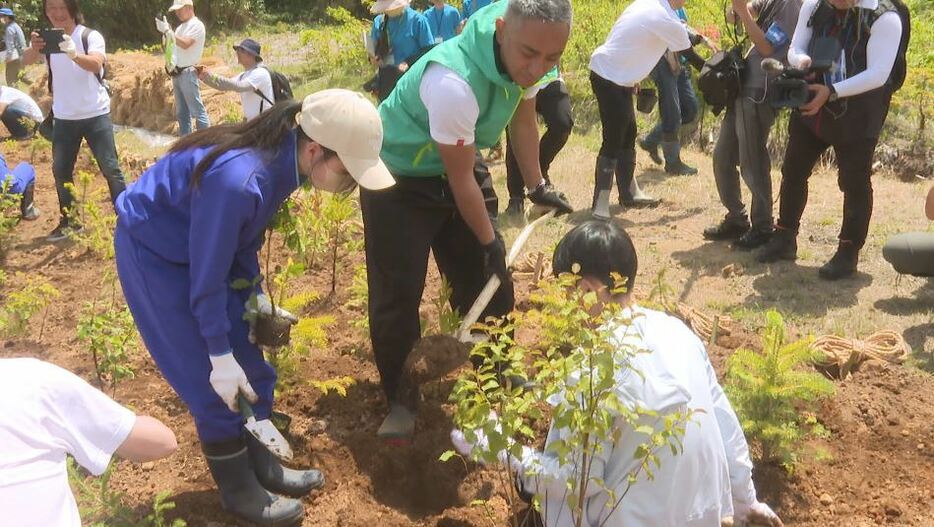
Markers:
240,489
399,425
276,478
842,265
673,163
753,239
515,208
652,150
731,228
782,246
63,231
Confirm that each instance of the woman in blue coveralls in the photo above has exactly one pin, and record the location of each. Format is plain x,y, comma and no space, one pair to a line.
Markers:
20,181
191,226
401,35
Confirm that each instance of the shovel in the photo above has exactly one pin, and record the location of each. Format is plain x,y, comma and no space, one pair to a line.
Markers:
264,431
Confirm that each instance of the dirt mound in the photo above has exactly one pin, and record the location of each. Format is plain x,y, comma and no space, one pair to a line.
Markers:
143,96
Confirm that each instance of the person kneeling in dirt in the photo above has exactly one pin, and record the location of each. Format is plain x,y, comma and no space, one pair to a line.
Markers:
49,413
19,113
913,252
80,105
254,84
20,181
190,228
710,479
847,110
457,99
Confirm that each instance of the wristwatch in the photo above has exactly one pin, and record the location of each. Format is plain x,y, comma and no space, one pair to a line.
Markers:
833,94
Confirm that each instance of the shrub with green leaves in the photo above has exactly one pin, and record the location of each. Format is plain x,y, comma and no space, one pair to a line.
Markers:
775,392
9,213
98,221
34,294
110,336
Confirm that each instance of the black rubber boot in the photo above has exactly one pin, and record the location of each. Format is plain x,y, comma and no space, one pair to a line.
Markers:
27,208
603,185
399,425
731,228
652,149
842,265
276,478
782,246
673,163
515,208
241,492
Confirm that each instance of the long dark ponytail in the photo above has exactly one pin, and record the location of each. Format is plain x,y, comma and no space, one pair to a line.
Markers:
264,132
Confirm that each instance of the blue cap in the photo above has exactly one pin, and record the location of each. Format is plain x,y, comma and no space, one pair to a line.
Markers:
6,11
251,47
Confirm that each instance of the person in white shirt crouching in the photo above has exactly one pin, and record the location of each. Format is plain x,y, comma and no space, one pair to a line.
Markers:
254,84
48,413
709,480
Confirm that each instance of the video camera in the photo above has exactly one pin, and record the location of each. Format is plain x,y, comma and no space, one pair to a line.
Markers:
790,88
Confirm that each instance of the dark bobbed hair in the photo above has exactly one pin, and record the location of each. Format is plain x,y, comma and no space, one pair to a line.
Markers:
599,248
74,9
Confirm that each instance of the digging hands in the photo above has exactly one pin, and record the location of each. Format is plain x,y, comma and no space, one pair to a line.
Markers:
466,448
263,308
548,196
228,380
756,514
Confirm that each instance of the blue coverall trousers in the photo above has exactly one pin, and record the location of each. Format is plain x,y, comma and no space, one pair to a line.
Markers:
157,293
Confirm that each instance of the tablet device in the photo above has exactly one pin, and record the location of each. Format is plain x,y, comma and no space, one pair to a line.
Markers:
53,39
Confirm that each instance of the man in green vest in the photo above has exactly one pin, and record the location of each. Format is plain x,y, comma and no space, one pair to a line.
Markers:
455,101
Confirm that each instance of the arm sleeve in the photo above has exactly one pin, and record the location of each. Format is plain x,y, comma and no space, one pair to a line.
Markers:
881,51
452,106
226,84
220,209
734,442
426,38
91,425
374,29
672,31
798,50
545,475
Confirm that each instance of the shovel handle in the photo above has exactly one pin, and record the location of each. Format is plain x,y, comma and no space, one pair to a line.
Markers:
245,409
486,295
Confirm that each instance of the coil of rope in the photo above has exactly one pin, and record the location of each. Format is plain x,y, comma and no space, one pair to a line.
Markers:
703,324
534,266
843,356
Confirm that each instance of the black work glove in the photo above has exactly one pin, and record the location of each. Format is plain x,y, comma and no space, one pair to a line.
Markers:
494,260
548,196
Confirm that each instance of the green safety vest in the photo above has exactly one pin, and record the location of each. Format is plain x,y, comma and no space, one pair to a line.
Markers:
408,149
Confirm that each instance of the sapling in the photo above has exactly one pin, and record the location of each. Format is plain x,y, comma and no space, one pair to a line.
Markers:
9,213
98,222
110,336
344,234
33,295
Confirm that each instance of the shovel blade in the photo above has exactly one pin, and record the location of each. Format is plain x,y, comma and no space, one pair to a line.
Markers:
270,436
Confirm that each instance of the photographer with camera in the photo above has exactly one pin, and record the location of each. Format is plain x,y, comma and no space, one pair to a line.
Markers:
744,135
848,107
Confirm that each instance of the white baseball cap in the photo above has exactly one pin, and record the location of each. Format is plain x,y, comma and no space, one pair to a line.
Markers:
347,123
178,4
381,6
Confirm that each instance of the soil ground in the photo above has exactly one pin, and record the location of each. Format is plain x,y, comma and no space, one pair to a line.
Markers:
880,469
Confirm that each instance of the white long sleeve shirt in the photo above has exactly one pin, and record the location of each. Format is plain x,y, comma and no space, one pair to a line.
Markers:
881,49
696,488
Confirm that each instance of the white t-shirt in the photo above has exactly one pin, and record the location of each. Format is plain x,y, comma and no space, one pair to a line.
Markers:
639,38
17,99
452,107
252,103
76,92
193,28
696,488
48,412
881,49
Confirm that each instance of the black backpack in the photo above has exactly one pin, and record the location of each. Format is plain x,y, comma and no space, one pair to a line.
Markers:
281,87
721,78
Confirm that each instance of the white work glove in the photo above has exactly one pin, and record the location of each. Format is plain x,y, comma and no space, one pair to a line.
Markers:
68,47
263,307
162,25
464,447
756,514
228,380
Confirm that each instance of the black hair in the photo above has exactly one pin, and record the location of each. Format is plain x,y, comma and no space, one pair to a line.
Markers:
264,132
74,10
597,249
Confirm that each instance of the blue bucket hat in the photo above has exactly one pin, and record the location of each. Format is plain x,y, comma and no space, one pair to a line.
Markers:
6,11
250,47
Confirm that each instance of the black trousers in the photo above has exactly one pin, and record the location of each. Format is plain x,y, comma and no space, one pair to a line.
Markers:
553,103
401,225
618,117
854,162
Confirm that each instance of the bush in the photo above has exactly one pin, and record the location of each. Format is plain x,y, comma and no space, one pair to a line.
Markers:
775,392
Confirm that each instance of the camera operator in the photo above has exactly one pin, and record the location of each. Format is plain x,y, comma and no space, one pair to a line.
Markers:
744,136
848,108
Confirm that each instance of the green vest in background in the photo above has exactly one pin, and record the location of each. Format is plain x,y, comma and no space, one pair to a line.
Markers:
408,149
